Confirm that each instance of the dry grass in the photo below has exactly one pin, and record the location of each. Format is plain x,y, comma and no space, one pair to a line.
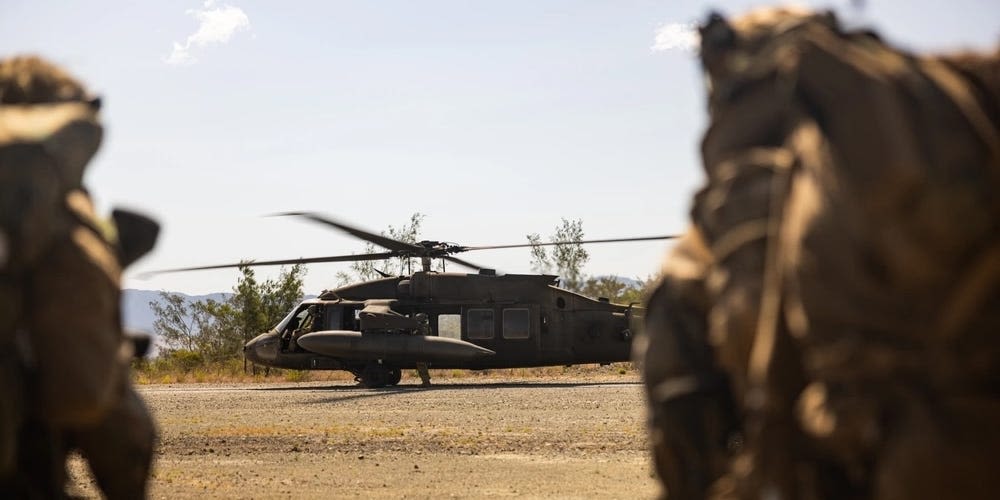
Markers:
232,371
567,436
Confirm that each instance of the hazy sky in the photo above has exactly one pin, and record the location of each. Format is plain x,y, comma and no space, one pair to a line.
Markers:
494,119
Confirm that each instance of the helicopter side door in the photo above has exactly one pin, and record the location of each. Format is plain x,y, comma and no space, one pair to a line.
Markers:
337,316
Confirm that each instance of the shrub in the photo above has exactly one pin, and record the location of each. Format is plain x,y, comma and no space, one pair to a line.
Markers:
296,375
182,359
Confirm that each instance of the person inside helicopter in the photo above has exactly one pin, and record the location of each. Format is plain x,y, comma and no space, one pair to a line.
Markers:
286,334
305,325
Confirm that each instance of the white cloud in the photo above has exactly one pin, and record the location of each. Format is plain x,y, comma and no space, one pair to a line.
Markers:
676,36
216,25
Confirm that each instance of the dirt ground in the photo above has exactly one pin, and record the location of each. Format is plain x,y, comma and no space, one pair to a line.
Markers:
564,437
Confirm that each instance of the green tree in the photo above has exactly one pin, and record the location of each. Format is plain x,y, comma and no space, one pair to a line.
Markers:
190,326
216,330
610,287
218,338
175,321
618,290
257,306
565,260
640,293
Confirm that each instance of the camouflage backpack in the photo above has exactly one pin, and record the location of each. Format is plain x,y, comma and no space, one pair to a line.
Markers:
839,283
63,358
43,150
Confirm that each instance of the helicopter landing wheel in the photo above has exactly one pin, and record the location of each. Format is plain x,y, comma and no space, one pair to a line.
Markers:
375,375
395,375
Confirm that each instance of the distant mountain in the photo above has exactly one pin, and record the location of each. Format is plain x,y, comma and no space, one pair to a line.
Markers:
136,313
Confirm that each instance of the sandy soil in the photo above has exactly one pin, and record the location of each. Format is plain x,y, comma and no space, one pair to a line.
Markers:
535,438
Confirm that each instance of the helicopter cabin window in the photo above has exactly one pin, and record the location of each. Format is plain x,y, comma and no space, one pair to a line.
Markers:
516,323
449,325
332,318
479,323
351,318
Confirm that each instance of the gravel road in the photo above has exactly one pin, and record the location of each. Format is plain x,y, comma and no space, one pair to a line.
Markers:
536,438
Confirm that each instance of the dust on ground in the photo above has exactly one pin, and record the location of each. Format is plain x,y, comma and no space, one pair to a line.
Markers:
562,437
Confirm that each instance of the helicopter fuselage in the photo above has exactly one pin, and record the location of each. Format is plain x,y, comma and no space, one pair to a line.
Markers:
481,320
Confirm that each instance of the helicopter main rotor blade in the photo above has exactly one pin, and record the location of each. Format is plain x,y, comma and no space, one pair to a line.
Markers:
307,260
582,242
378,239
461,262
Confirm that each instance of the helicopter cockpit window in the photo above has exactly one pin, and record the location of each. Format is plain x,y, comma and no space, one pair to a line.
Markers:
479,323
284,322
294,319
309,319
516,323
449,325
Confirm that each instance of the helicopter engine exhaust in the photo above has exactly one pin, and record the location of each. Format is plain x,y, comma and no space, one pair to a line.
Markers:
391,346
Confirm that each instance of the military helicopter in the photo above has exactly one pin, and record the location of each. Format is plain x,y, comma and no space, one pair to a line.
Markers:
480,320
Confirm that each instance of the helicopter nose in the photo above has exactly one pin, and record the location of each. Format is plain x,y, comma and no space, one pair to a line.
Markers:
262,349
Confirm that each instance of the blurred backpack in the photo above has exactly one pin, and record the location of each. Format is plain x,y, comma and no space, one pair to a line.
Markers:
43,151
844,261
